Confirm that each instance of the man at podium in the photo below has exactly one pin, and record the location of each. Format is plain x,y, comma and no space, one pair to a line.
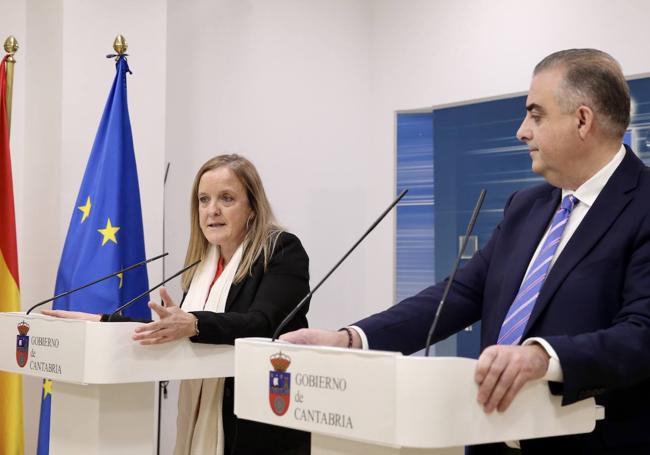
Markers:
562,288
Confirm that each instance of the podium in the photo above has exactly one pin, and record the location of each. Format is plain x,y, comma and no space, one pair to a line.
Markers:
356,401
103,390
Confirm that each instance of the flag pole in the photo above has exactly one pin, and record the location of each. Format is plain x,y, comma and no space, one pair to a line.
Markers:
120,46
11,47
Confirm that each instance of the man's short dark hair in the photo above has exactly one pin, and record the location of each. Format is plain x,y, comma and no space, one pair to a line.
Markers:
595,79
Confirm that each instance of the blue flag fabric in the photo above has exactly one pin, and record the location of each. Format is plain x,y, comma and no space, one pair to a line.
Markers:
44,423
105,233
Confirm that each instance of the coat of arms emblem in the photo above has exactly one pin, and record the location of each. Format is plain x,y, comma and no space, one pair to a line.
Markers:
22,344
280,383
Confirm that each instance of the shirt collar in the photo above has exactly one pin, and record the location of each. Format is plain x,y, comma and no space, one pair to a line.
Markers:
589,191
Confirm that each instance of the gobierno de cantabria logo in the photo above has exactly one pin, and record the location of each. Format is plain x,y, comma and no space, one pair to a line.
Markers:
280,383
22,344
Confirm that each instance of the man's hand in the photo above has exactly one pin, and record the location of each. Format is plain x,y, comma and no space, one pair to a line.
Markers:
502,371
322,338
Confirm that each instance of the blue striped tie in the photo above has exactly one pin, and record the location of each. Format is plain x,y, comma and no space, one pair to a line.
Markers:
513,326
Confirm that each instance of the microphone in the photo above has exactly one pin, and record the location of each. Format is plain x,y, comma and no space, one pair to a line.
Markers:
133,300
63,294
291,315
470,228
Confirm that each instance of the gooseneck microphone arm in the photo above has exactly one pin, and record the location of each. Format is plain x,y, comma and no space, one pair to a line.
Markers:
291,315
135,299
470,228
63,294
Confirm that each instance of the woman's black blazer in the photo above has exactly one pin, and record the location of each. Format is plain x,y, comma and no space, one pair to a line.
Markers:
254,308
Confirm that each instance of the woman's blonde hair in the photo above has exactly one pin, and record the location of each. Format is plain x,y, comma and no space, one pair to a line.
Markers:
263,230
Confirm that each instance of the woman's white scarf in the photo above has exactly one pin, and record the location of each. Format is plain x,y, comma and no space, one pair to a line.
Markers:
199,429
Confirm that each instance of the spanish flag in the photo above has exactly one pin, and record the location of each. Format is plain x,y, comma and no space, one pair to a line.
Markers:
11,386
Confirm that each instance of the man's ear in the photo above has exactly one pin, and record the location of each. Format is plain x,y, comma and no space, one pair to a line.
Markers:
584,121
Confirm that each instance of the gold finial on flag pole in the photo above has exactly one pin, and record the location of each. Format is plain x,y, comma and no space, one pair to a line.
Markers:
120,45
11,47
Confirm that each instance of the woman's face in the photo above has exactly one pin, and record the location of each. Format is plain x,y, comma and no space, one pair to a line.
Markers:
223,209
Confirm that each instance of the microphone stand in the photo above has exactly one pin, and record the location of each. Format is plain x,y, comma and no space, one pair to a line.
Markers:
305,299
162,385
468,232
98,280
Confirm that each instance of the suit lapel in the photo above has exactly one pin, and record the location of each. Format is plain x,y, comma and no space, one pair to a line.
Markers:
612,200
235,289
526,240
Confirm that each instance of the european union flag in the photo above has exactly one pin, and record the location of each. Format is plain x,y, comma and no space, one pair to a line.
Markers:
44,424
105,233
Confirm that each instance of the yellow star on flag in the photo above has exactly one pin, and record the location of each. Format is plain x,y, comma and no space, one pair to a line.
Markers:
121,277
85,209
109,233
47,388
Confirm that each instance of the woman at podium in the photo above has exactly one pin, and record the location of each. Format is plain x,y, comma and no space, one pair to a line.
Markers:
251,275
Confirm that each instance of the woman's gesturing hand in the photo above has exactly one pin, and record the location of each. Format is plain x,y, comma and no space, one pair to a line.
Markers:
174,323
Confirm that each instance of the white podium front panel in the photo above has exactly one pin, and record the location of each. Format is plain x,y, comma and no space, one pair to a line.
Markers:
384,398
328,390
103,391
101,353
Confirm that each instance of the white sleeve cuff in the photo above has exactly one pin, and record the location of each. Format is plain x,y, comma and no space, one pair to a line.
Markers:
362,335
554,372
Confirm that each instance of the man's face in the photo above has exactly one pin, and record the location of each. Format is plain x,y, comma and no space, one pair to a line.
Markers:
551,133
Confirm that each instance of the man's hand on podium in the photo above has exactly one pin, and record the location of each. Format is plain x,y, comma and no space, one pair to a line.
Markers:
503,370
174,323
64,314
322,338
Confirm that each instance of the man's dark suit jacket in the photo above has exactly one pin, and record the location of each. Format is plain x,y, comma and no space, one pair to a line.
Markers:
594,308
254,308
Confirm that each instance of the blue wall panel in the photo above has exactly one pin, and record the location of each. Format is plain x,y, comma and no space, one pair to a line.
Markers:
415,235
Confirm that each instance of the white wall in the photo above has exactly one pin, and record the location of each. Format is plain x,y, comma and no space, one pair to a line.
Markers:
307,89
437,52
286,84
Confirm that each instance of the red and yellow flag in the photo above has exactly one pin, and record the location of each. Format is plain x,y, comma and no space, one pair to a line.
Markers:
11,386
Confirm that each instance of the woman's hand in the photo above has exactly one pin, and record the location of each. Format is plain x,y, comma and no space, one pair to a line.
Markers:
174,323
64,314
